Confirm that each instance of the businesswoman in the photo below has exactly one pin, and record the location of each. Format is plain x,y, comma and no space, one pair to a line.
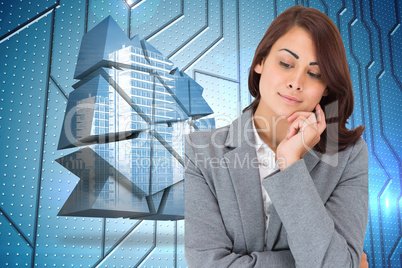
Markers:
286,184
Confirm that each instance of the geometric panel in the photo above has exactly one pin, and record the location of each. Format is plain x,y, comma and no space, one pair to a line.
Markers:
220,93
147,19
14,17
116,230
131,250
212,42
102,189
91,115
22,107
98,10
161,255
15,250
69,27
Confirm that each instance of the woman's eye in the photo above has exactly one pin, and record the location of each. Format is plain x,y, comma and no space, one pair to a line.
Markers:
318,76
285,64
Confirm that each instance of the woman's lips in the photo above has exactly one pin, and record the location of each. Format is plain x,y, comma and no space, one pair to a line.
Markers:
290,99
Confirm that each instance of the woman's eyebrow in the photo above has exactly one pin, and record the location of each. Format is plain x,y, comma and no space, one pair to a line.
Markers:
293,54
296,56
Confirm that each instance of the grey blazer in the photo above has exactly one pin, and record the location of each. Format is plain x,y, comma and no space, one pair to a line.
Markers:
318,217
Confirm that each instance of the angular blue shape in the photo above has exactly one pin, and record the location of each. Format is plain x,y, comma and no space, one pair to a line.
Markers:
90,101
155,57
131,157
15,250
69,26
99,180
166,107
96,46
14,18
175,206
170,203
205,123
166,162
187,93
198,106
23,103
178,82
130,106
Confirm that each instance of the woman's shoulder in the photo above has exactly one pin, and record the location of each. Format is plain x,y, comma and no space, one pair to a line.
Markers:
359,147
360,143
226,135
206,136
353,148
355,153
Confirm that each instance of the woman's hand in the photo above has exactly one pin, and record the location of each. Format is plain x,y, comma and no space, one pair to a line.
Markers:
303,134
363,261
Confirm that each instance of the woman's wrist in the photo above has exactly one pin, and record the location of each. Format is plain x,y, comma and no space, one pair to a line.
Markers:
285,162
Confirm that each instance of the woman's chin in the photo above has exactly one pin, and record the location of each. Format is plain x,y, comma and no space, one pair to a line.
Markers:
285,113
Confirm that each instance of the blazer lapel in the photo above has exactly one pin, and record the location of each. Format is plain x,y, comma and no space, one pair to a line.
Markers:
247,186
311,159
274,227
244,172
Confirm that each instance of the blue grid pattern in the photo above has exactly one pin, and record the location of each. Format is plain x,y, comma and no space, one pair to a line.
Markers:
213,42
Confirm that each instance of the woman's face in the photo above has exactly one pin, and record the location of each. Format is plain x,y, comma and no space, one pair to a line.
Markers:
290,76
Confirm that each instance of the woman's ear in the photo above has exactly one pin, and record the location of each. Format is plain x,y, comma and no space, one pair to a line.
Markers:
258,68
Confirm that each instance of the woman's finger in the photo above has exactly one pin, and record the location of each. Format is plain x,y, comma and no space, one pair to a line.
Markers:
300,123
320,119
295,115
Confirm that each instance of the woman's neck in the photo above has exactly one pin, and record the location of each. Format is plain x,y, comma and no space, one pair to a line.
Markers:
270,127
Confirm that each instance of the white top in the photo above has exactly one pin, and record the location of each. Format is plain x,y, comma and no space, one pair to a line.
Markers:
266,165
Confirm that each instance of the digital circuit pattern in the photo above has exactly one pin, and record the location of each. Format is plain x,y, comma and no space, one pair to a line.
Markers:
213,43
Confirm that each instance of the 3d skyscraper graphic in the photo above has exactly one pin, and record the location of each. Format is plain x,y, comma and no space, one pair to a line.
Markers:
128,115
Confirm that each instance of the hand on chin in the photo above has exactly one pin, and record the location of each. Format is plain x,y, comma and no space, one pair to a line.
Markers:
303,134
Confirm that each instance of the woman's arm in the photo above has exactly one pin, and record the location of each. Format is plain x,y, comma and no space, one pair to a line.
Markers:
330,234
206,241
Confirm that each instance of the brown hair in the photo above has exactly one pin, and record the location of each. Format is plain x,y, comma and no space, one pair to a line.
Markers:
331,57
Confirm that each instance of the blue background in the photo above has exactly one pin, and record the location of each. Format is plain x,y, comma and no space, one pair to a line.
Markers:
213,42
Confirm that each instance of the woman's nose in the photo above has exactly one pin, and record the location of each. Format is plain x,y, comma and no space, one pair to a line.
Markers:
292,85
295,82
